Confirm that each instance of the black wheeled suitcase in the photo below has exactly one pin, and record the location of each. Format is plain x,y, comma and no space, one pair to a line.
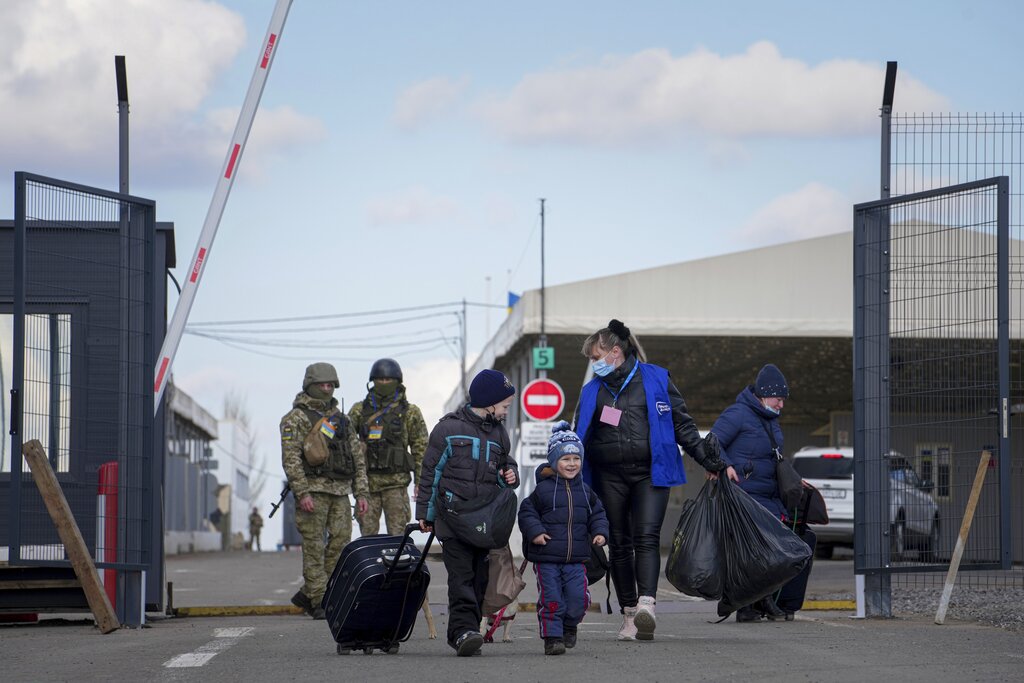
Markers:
375,592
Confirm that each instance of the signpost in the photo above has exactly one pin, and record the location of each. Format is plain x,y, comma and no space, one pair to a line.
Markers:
533,440
543,358
542,400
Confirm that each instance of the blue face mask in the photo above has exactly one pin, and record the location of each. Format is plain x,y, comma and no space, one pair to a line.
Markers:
601,367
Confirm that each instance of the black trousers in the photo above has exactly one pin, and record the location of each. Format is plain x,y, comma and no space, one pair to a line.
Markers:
791,597
467,568
636,510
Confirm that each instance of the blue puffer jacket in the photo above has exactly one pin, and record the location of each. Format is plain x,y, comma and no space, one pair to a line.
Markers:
568,511
745,445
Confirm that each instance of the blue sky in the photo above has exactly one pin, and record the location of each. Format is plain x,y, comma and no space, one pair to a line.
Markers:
401,147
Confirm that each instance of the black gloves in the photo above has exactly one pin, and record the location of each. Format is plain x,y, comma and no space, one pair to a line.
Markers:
712,454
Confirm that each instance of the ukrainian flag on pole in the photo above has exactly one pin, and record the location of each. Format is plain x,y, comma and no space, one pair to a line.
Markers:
512,299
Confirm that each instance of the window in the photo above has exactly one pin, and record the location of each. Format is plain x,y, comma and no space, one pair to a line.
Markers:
46,399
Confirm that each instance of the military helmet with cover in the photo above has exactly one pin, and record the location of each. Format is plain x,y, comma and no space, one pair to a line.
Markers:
386,368
319,373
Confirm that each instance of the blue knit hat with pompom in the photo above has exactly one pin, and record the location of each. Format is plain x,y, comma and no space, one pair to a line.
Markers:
563,442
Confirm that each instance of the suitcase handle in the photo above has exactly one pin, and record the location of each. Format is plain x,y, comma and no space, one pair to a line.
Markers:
401,546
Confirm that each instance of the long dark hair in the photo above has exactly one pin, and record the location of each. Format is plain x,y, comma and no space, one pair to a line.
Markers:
616,334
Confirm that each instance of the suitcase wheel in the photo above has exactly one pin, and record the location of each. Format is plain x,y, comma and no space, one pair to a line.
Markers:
392,649
342,650
367,650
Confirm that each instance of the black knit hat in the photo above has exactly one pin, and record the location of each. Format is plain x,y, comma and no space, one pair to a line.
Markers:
488,388
771,383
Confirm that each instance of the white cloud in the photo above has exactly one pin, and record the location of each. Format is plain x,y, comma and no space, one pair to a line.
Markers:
426,100
415,205
57,82
811,211
653,94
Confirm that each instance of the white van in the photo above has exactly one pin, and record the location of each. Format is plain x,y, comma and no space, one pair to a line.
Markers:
914,511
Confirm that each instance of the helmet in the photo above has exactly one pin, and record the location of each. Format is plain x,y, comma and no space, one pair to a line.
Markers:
386,368
320,372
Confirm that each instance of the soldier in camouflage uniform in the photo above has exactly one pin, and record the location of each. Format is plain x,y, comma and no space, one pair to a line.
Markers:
255,526
395,437
324,462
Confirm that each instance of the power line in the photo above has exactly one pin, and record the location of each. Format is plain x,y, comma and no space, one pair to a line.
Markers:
337,359
286,343
335,316
326,328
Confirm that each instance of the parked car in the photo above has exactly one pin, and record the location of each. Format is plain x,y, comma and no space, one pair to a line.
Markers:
913,510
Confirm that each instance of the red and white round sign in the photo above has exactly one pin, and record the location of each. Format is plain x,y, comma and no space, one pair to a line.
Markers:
542,400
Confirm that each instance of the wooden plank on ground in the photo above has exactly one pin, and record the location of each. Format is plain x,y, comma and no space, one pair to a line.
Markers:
70,536
961,539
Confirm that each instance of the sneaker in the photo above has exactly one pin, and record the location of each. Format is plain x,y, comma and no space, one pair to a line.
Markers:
770,609
569,638
554,646
644,619
747,614
628,630
469,643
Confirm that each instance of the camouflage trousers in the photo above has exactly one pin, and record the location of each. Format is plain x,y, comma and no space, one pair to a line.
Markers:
333,515
394,503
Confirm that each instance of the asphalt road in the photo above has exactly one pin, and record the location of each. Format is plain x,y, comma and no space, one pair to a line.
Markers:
818,646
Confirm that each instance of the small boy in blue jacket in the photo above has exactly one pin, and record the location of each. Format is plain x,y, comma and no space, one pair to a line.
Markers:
560,520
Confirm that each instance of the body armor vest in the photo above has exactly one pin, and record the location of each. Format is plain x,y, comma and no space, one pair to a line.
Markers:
386,438
340,463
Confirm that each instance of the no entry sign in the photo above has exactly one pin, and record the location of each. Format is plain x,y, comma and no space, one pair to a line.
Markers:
542,400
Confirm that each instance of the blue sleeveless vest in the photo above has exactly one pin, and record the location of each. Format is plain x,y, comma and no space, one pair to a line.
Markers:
666,460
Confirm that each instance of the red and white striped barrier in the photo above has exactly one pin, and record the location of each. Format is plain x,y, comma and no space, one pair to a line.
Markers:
176,328
106,526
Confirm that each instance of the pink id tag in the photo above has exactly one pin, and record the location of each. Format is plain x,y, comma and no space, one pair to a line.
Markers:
611,416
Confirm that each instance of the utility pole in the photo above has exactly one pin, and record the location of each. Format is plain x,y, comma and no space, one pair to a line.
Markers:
543,341
487,312
462,324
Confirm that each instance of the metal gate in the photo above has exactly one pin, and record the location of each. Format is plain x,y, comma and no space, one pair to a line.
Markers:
81,365
931,365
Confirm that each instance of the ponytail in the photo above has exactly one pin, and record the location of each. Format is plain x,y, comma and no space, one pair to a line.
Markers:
616,334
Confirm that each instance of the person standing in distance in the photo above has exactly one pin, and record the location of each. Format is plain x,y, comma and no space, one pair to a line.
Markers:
468,451
395,437
255,526
324,462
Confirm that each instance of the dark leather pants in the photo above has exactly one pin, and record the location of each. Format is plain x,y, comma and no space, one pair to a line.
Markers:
636,510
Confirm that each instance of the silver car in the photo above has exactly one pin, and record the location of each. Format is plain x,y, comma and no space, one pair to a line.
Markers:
914,512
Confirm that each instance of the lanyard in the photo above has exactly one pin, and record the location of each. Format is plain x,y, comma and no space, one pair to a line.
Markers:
616,394
373,400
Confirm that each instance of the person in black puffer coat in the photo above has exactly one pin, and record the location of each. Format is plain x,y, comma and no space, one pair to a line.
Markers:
632,420
560,520
467,453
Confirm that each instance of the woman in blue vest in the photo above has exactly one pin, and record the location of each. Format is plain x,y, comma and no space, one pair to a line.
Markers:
749,434
630,419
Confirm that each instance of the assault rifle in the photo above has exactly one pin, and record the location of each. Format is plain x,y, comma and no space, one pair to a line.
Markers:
284,494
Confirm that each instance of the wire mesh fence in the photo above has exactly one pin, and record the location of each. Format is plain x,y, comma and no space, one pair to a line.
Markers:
931,151
77,348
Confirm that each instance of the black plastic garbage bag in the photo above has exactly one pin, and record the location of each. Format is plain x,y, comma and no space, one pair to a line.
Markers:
760,553
695,565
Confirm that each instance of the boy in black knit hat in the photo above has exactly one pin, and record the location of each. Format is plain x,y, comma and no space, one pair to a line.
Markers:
468,451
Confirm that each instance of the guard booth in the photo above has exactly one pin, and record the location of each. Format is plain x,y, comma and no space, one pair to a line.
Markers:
82,316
